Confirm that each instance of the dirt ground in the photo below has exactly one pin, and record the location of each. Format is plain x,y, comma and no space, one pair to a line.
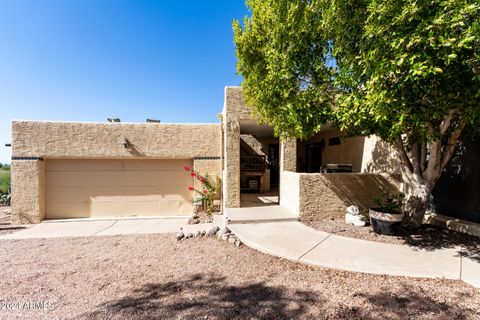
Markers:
427,237
154,276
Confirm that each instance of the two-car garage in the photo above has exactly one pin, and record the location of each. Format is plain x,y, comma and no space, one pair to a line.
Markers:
115,188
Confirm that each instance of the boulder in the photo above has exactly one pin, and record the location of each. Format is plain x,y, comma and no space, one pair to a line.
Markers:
356,220
179,235
213,231
222,232
353,210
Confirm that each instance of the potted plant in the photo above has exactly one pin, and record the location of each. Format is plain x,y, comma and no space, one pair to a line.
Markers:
387,216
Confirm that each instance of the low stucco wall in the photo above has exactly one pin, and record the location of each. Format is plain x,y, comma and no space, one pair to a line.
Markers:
290,191
105,140
323,195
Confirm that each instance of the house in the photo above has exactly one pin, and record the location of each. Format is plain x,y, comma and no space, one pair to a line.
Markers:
79,170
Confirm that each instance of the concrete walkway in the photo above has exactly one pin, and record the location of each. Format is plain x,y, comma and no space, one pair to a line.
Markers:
294,241
98,227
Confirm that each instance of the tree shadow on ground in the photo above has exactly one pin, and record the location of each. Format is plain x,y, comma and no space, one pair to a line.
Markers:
207,296
202,296
432,238
410,303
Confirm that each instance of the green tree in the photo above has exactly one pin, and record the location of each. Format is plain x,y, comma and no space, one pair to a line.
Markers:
407,71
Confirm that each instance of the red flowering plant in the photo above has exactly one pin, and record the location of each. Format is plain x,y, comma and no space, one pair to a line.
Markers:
207,190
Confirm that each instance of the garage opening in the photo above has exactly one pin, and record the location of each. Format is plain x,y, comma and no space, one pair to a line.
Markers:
117,188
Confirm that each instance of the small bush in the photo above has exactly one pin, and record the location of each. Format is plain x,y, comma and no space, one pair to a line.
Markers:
4,182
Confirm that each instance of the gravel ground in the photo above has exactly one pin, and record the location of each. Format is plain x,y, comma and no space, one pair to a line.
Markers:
427,237
154,276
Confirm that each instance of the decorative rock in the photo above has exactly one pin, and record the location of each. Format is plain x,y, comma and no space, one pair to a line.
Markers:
224,237
222,231
197,233
191,221
212,231
354,217
231,240
353,210
238,243
357,221
195,216
190,235
179,235
203,233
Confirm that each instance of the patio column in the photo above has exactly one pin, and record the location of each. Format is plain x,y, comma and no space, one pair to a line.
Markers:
288,155
28,191
231,185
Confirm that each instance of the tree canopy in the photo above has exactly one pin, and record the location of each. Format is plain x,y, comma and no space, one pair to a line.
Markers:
407,71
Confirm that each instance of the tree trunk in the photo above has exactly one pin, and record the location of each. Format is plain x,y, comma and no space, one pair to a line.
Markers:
416,204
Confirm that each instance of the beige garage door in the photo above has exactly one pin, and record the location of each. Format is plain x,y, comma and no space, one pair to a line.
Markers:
101,188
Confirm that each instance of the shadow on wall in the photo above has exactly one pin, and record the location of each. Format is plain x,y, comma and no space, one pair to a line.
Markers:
206,296
383,159
359,189
457,193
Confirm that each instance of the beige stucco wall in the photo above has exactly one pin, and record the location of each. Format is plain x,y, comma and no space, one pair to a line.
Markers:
328,195
79,140
234,110
212,167
349,151
288,155
105,140
28,190
379,157
254,144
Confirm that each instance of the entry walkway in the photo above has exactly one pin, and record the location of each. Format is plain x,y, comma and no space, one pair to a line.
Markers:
98,227
294,241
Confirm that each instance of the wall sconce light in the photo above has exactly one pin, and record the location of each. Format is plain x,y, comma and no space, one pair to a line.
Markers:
126,143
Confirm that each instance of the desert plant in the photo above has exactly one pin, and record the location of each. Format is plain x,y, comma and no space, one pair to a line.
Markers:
208,188
389,202
5,200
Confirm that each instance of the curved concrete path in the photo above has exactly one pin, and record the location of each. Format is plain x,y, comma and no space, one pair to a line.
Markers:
294,241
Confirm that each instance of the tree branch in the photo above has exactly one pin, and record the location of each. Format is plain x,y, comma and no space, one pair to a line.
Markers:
434,161
423,156
416,157
404,155
451,144
446,122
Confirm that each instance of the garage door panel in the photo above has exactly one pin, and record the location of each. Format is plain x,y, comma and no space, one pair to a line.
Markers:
117,194
118,178
116,165
101,188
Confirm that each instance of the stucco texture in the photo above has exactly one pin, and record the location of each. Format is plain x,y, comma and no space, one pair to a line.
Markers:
234,111
211,167
106,140
79,140
28,189
315,196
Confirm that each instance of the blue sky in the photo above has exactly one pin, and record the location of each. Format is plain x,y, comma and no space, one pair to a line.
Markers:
90,60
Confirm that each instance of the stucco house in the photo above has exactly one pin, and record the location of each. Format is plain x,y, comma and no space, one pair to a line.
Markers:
80,170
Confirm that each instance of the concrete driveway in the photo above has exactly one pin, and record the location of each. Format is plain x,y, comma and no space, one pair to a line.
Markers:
91,227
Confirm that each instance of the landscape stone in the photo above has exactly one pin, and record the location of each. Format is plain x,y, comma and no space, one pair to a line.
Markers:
213,231
180,235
